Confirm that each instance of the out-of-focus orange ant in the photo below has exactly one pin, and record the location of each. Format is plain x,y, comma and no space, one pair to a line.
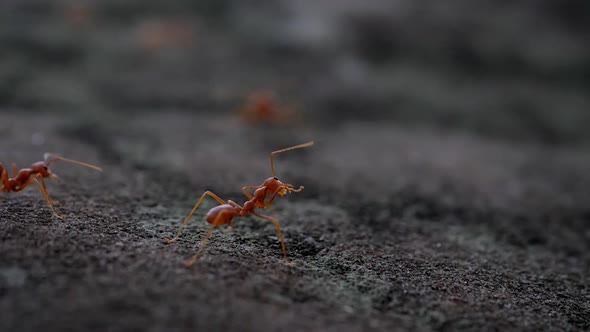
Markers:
262,198
158,35
261,108
78,14
38,171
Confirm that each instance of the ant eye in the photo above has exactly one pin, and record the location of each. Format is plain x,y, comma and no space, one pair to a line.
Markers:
45,167
276,178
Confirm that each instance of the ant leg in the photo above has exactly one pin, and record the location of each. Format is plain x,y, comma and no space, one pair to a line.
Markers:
239,209
269,203
234,204
246,192
45,188
204,241
188,218
278,227
44,192
3,176
47,199
44,185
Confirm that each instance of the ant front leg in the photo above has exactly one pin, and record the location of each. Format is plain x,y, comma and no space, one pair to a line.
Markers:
43,191
246,190
45,188
278,227
188,218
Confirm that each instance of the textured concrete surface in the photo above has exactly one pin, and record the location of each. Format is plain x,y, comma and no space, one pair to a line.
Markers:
441,194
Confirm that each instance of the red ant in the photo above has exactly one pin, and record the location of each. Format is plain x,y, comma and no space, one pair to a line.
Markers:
38,171
262,108
262,198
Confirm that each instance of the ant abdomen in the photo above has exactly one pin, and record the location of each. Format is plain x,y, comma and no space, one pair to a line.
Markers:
221,215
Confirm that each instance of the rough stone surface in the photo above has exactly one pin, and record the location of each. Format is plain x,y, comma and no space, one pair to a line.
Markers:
443,193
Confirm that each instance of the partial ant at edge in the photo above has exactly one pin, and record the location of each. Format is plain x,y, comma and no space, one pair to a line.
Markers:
36,173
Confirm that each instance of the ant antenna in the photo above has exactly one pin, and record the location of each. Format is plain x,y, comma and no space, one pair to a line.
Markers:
272,164
49,158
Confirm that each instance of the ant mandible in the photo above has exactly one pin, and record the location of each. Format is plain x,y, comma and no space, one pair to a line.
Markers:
38,171
262,198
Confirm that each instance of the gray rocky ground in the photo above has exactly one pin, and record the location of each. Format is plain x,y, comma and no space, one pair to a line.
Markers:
448,188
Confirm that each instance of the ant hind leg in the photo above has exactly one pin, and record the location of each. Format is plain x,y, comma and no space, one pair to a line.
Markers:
3,180
188,218
204,241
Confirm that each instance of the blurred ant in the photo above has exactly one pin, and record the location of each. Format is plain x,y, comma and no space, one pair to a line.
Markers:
78,14
38,171
262,198
262,108
158,35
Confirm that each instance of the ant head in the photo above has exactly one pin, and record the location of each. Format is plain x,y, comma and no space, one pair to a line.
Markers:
274,185
41,168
